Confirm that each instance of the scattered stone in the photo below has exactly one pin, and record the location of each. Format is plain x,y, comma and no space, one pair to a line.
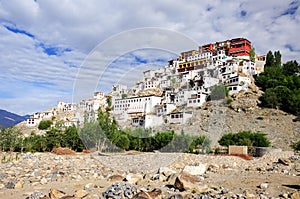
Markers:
120,190
81,193
116,178
19,184
295,195
186,181
2,186
176,196
56,194
171,179
250,196
264,185
285,195
195,170
159,177
166,171
284,161
89,186
154,194
37,195
133,178
213,168
224,191
43,181
10,185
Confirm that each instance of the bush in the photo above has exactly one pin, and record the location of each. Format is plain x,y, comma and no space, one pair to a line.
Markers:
245,138
296,146
45,124
219,92
10,139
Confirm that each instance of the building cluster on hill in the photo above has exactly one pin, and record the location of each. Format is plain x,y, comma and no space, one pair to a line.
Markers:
169,94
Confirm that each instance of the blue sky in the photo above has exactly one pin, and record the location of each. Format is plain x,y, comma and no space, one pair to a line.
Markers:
43,45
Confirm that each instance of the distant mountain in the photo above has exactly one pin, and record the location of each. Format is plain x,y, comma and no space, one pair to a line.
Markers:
8,119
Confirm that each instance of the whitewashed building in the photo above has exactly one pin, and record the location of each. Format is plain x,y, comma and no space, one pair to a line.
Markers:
179,117
238,83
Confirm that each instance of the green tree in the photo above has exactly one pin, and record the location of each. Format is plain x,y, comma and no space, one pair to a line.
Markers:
72,139
53,139
121,140
269,59
219,92
277,59
10,139
291,68
252,54
45,124
247,138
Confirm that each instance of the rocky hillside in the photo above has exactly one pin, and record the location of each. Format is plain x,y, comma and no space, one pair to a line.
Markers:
216,118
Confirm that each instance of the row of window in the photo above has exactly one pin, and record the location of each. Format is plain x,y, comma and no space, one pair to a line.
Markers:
232,88
131,100
194,101
192,64
150,83
179,115
234,80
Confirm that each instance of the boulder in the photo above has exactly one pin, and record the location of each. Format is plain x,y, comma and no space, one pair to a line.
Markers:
186,181
43,181
116,178
56,194
264,185
89,186
81,193
295,195
284,161
195,170
154,194
159,177
19,184
166,171
133,178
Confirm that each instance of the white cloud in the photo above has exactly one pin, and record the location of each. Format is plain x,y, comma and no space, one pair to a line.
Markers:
80,25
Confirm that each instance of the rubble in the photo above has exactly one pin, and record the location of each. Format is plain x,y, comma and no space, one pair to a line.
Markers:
164,175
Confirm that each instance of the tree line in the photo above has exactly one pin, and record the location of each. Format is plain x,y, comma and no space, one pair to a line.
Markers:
104,135
280,83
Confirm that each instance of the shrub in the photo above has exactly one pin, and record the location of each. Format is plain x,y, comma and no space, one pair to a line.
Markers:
296,146
45,124
246,138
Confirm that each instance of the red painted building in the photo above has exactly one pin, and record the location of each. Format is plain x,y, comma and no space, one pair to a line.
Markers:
234,47
239,47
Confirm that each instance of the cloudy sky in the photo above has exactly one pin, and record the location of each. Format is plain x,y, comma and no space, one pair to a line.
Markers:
43,43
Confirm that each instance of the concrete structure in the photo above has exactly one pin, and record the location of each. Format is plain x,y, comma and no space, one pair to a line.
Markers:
178,117
238,150
238,83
